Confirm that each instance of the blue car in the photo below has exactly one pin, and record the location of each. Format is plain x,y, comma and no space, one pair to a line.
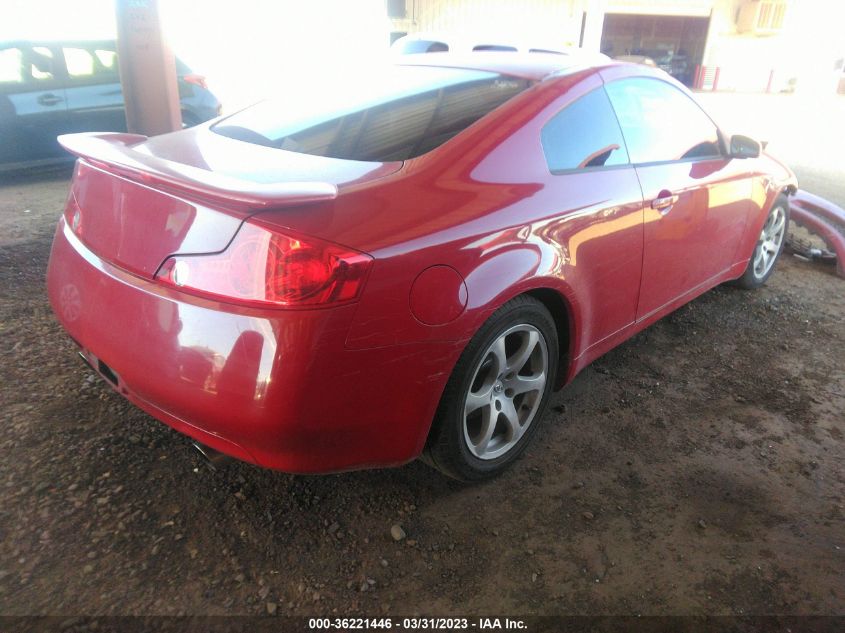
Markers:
52,88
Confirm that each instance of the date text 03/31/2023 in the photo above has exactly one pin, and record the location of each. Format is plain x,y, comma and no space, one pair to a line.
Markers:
416,624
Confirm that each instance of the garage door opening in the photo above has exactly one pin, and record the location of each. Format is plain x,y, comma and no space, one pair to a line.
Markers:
674,43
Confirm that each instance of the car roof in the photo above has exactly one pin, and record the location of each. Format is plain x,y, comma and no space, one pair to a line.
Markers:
467,42
534,66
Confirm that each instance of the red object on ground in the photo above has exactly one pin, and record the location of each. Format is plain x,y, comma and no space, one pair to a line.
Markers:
283,307
824,229
819,206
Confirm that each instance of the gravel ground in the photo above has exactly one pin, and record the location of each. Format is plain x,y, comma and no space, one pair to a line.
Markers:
696,469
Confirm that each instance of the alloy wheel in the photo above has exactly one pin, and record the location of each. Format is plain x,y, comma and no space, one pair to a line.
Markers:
506,391
771,239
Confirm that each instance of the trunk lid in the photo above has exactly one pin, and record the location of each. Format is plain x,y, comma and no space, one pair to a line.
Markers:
136,201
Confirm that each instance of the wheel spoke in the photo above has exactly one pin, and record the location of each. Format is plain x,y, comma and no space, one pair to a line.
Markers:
758,259
768,225
529,342
527,384
488,425
777,227
511,417
476,401
500,355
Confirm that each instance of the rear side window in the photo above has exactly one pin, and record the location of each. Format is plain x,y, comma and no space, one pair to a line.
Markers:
661,123
107,60
387,118
584,135
90,64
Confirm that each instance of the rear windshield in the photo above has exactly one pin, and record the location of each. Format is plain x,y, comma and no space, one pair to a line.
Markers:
394,115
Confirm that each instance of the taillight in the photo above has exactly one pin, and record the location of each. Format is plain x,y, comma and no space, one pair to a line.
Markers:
73,214
267,268
197,80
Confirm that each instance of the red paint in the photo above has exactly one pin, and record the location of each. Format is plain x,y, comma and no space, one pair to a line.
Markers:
438,295
819,206
453,235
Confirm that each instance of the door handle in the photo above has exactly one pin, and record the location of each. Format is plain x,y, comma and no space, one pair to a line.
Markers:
49,99
664,202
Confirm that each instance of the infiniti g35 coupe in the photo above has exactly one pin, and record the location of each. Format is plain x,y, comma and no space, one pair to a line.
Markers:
409,266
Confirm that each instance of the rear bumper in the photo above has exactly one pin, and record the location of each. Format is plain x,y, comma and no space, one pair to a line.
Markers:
277,388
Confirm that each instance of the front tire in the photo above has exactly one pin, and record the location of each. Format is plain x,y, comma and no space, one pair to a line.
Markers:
769,246
497,393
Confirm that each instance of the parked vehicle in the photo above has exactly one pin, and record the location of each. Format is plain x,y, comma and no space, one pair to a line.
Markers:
636,59
416,43
52,88
676,63
347,283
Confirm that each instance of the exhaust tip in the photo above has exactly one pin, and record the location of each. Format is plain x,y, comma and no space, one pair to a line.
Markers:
214,459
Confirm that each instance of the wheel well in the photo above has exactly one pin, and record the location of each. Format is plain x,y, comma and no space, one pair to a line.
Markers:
556,304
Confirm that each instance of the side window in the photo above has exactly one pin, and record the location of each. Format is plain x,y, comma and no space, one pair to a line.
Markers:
11,66
661,123
30,66
585,134
79,62
106,60
39,64
94,65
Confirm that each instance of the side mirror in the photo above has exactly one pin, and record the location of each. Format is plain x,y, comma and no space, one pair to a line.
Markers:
744,147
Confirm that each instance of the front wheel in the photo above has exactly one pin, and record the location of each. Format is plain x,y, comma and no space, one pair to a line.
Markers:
497,393
769,246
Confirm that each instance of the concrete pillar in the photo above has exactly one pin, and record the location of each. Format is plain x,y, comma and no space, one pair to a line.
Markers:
147,69
593,24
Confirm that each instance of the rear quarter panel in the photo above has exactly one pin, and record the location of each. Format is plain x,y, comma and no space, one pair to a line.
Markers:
486,205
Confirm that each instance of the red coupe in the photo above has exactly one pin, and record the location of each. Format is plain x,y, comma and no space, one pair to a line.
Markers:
409,267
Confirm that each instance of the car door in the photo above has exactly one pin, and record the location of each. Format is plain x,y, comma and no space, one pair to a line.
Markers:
32,104
94,94
697,199
600,228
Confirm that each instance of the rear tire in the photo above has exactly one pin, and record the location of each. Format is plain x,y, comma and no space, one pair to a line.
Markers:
769,246
497,393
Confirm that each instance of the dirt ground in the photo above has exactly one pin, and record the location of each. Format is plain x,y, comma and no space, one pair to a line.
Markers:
697,469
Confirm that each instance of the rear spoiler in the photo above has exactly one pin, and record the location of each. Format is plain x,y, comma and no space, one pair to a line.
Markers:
114,152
